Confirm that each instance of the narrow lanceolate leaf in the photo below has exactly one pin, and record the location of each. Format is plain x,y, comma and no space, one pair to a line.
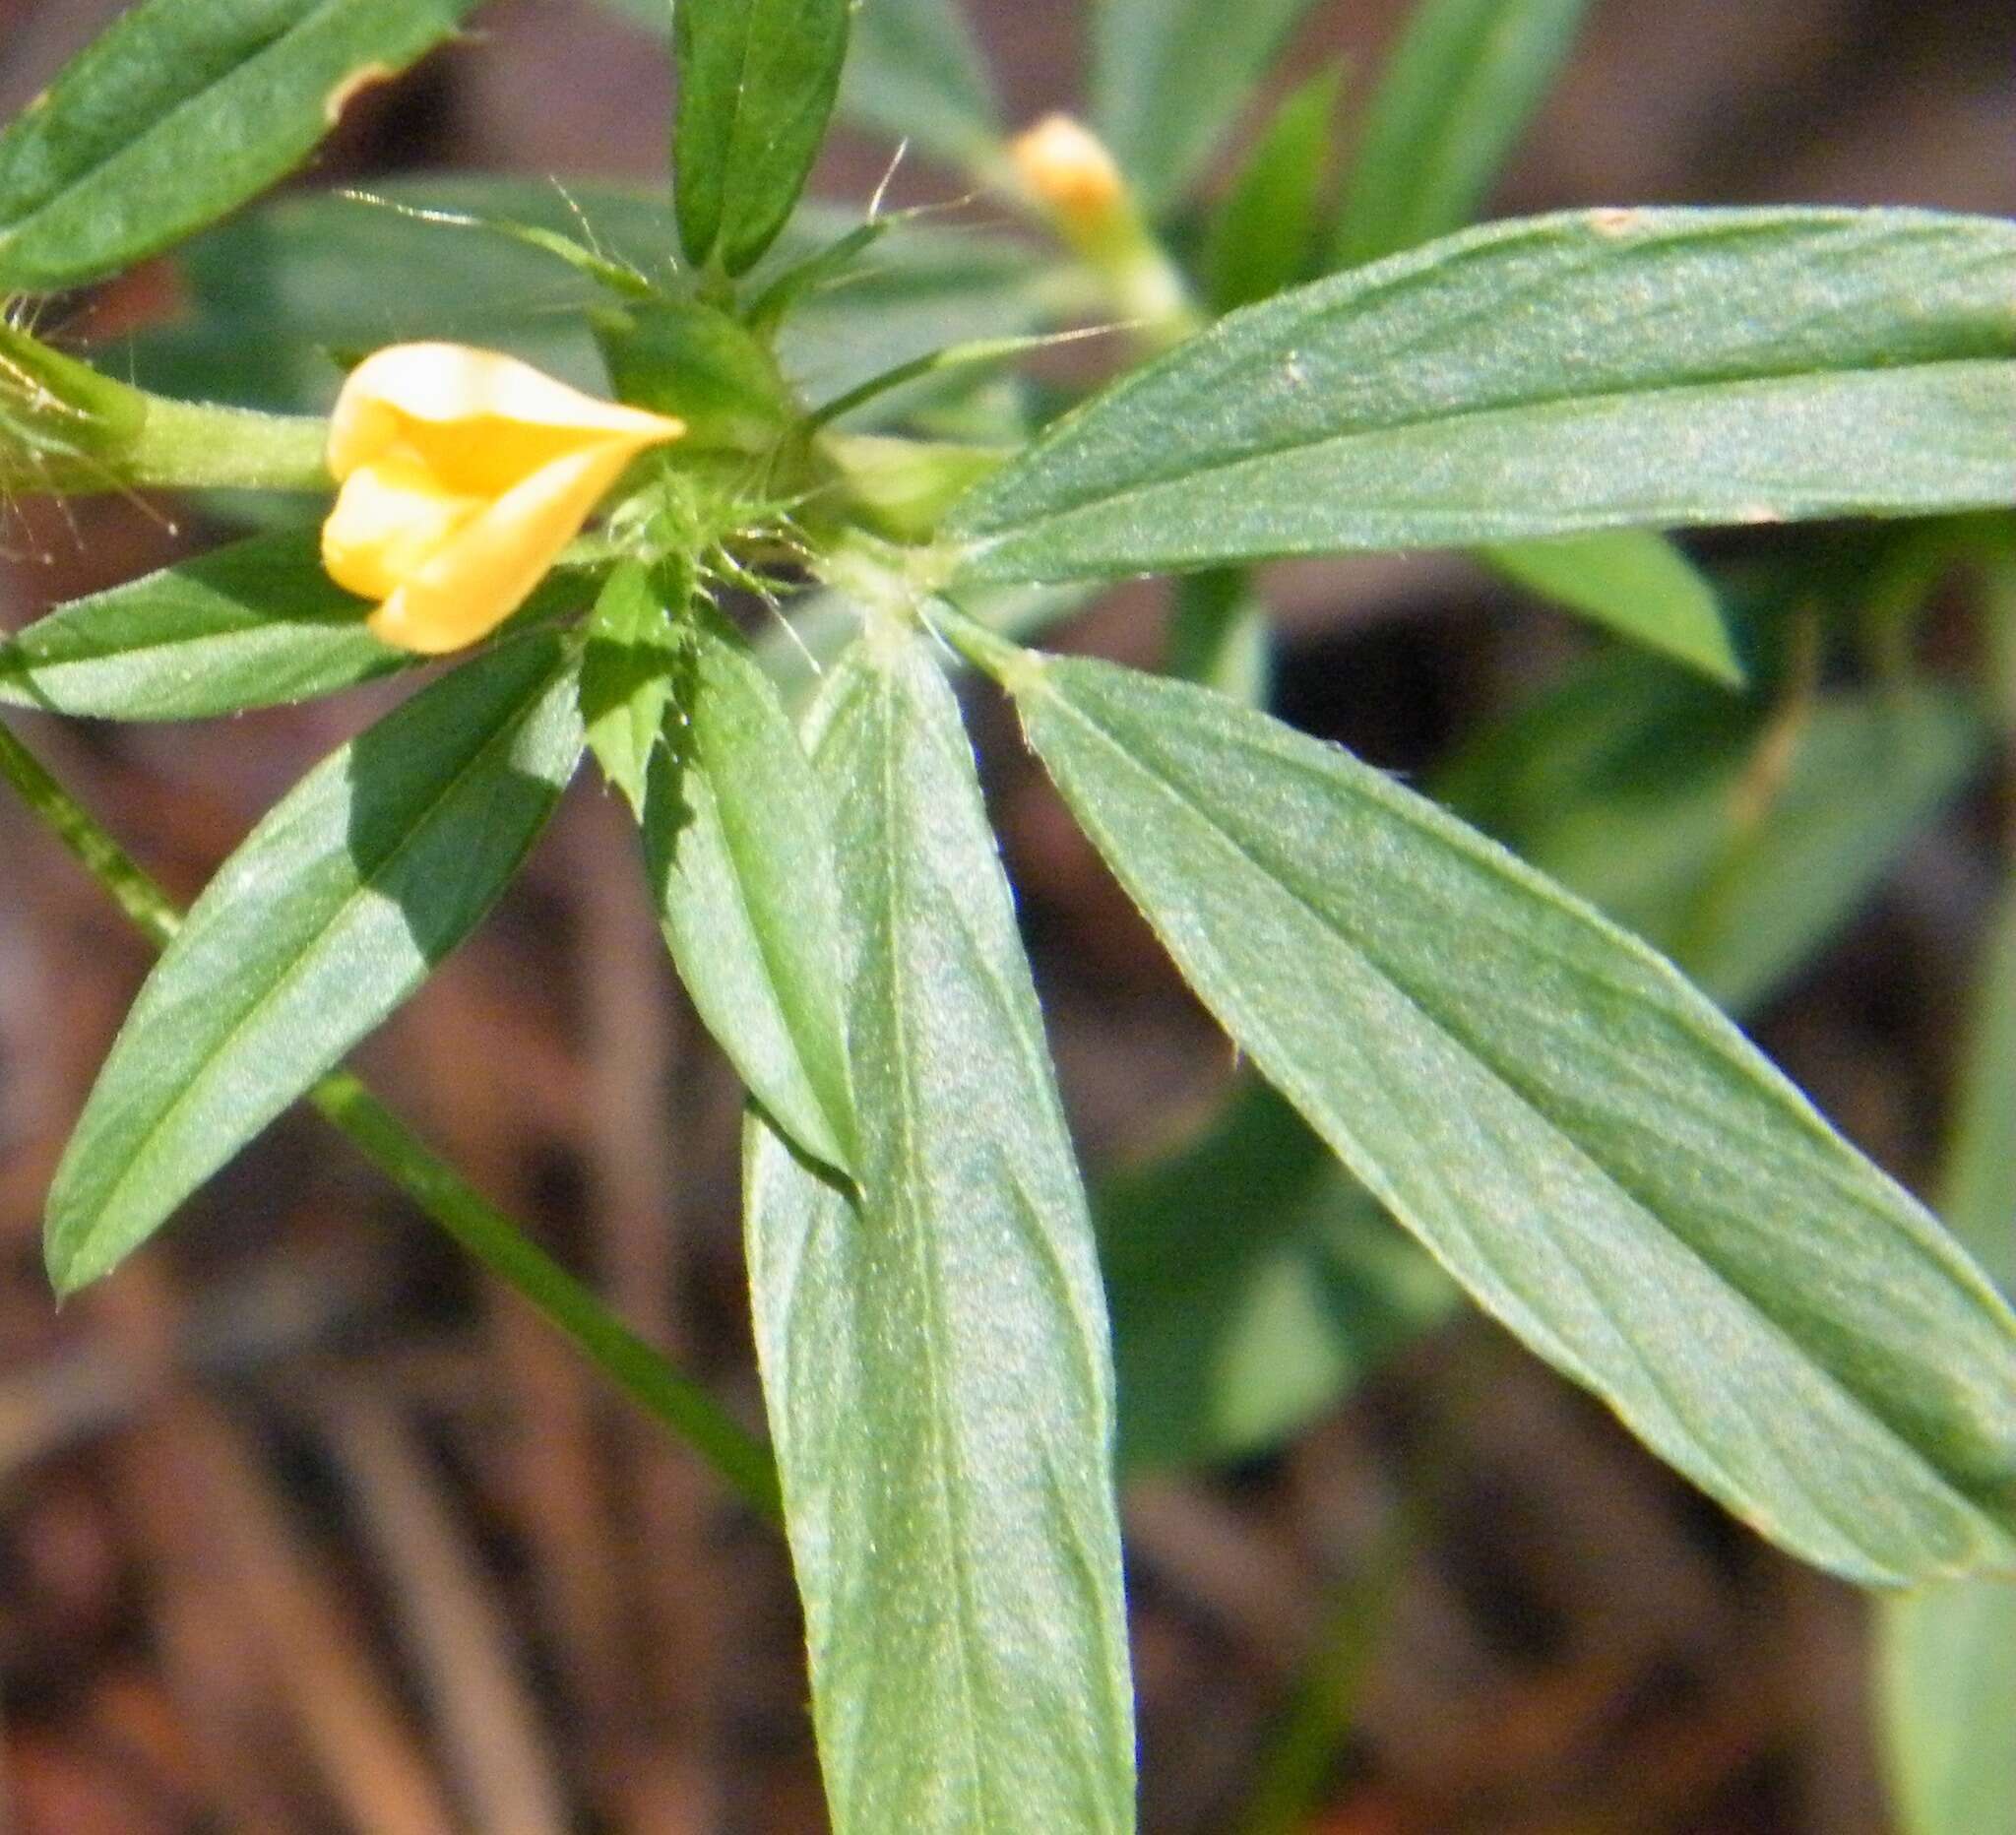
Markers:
178,113
1949,1654
739,839
1263,233
934,1355
1635,583
333,911
1463,81
1168,76
626,678
1543,377
756,84
255,625
913,72
1577,1134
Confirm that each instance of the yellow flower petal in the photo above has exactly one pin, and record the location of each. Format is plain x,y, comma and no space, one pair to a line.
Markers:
464,474
493,564
482,419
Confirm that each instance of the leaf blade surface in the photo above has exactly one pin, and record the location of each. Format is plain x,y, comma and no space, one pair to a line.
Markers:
333,911
1540,378
934,1359
1580,1138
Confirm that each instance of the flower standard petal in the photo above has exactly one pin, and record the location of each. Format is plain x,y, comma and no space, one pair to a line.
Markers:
449,403
464,474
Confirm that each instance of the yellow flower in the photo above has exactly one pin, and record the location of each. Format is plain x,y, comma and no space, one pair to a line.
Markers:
464,474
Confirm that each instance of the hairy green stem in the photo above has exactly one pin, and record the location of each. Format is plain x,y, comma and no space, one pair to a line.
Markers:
194,446
430,1180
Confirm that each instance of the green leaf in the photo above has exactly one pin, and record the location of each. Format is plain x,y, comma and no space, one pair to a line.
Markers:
178,113
1168,76
935,1360
1979,1184
1635,583
333,911
1573,1131
626,678
256,624
1947,1671
756,86
740,848
1462,84
1263,233
912,72
1252,1282
1567,373
915,72
1219,636
1947,1655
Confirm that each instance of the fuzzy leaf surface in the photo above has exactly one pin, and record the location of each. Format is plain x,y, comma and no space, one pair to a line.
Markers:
180,112
934,1355
332,912
1581,1139
757,79
1541,378
255,625
739,841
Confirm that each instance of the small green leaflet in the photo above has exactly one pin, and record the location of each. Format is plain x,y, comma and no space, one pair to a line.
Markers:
181,111
333,911
739,845
757,80
1576,1134
934,1355
1636,583
1263,234
1537,378
626,671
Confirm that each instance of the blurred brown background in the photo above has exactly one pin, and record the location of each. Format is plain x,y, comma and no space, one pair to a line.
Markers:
302,1527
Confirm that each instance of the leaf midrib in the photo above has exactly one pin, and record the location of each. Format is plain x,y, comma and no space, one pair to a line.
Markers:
915,1178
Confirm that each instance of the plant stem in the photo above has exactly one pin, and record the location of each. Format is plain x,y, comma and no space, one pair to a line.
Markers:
504,1249
195,446
430,1180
